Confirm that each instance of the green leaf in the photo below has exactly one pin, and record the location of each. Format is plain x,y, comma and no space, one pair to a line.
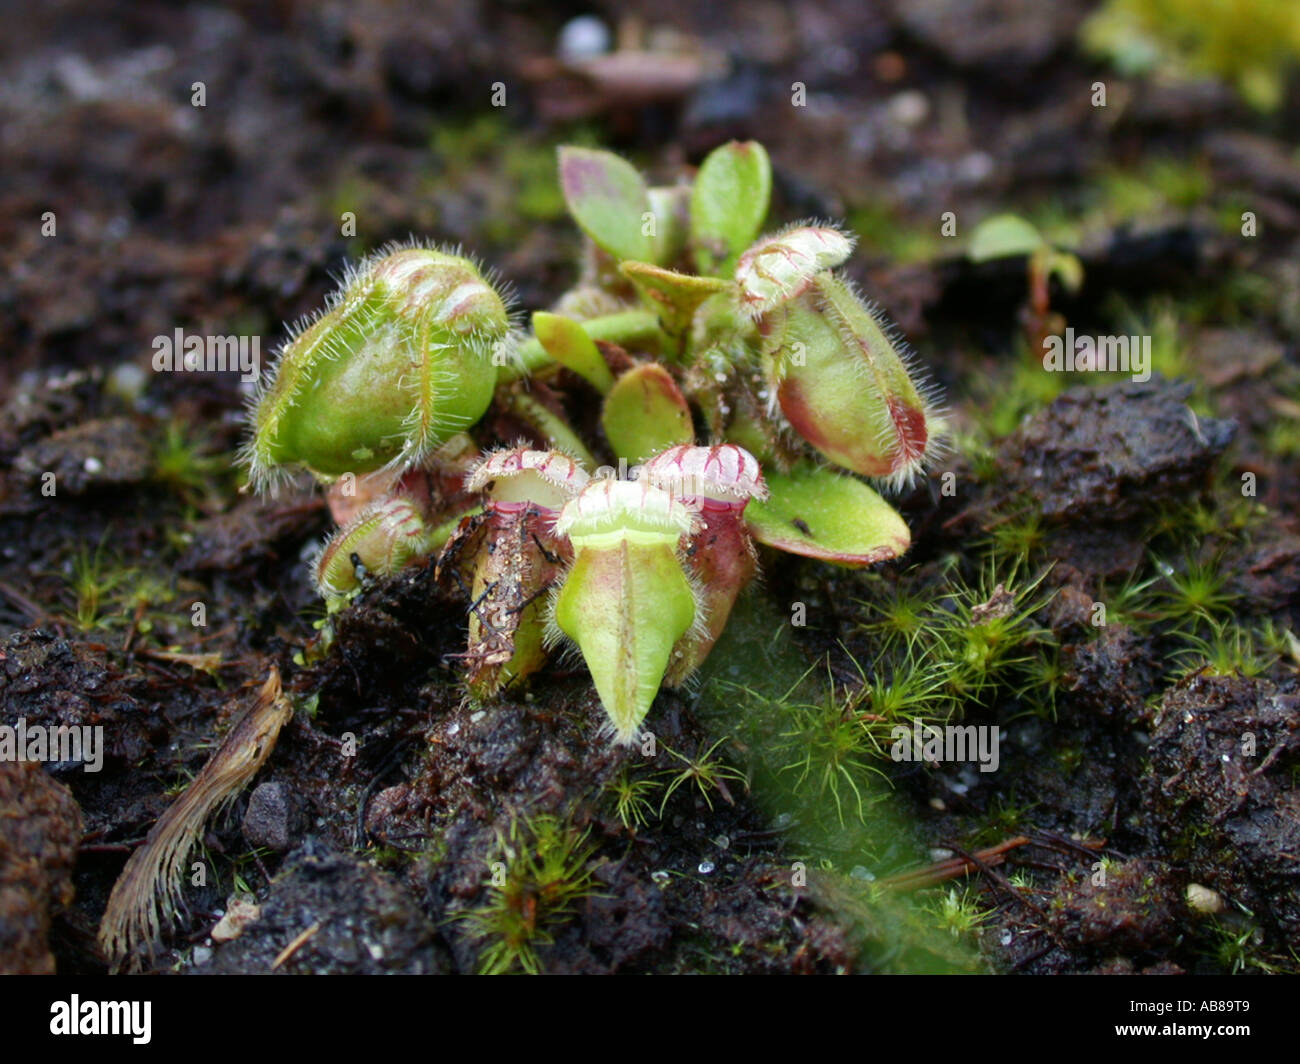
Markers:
819,514
671,206
646,413
609,201
1003,236
550,426
1067,268
634,329
568,343
673,296
728,204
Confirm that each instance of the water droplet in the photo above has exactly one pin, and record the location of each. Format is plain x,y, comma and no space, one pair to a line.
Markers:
660,877
706,867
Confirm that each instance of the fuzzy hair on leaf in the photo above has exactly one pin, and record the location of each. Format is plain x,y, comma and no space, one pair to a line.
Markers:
807,248
927,390
356,284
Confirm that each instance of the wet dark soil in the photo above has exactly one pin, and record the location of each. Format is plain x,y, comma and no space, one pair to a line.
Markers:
147,595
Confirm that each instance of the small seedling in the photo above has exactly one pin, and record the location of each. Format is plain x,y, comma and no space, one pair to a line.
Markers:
1010,236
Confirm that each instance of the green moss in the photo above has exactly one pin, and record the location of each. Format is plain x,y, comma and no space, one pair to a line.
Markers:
1282,438
1194,591
531,170
900,934
91,582
705,772
1132,603
1070,758
1166,323
523,188
364,199
958,912
183,463
1042,678
1250,44
986,631
911,689
1004,399
1017,540
632,798
829,756
1228,650
1237,945
897,616
1156,185
540,871
885,231
1007,815
978,450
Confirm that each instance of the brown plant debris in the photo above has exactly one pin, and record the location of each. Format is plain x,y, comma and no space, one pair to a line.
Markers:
153,872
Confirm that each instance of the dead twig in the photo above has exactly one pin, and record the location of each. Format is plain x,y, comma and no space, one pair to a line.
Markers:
952,867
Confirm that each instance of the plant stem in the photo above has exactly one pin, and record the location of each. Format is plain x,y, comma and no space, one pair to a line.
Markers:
436,538
625,328
553,428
